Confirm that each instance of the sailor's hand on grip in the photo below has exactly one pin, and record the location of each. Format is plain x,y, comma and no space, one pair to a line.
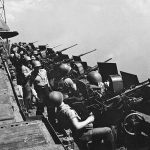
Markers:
91,117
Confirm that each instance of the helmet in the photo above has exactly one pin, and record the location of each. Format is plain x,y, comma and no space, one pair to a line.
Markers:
94,77
64,69
17,55
15,49
11,55
35,52
56,98
36,63
33,57
21,52
27,58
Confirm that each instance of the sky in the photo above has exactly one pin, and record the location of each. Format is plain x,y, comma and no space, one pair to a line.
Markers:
116,28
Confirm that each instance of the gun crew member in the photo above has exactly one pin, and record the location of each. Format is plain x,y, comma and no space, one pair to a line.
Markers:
26,72
41,85
17,64
63,83
95,82
37,54
82,130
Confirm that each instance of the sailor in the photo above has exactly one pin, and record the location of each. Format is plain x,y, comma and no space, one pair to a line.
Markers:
83,131
50,53
14,49
26,72
22,53
18,63
95,82
41,85
11,57
63,83
37,54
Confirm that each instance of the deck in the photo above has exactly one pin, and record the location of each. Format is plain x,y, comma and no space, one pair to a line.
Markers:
17,134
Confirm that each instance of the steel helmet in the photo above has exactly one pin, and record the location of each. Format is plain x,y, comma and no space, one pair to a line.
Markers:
33,57
15,49
36,63
35,52
94,77
56,98
64,69
21,52
27,58
11,55
17,55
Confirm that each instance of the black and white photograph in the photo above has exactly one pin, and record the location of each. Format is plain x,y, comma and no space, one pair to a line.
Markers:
74,74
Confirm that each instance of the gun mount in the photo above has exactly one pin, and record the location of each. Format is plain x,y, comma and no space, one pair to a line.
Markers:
92,69
71,59
130,91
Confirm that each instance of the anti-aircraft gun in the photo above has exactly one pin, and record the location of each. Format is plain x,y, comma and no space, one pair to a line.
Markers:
47,52
60,51
50,51
94,68
128,93
83,54
52,58
86,53
57,56
78,65
110,107
71,59
68,60
131,119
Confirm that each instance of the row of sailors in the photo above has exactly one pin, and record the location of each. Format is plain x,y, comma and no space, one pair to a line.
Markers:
30,49
33,78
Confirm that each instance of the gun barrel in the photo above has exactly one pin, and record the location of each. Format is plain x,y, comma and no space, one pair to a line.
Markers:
93,68
130,91
108,60
67,48
145,83
86,53
96,66
70,59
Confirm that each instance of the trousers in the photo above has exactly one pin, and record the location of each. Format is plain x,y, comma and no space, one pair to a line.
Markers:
96,135
42,93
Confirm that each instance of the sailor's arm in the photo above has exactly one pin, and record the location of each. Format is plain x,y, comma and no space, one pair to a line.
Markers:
25,72
28,73
71,84
34,93
81,124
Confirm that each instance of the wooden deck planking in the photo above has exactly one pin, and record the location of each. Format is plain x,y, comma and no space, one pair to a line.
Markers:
31,135
6,109
6,112
4,98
